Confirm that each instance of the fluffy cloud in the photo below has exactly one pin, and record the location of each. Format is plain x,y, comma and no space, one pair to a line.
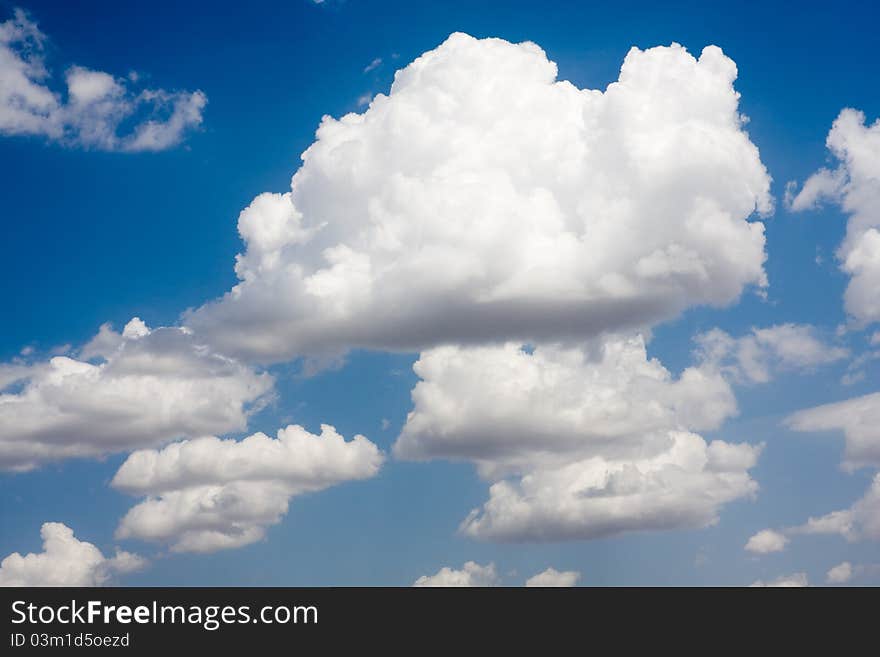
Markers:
578,442
485,200
855,185
97,103
840,574
846,572
510,407
766,541
471,574
552,577
755,357
209,494
65,561
796,580
858,418
858,522
125,391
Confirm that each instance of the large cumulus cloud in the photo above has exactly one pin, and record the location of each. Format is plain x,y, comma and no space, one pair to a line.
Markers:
578,442
482,199
122,391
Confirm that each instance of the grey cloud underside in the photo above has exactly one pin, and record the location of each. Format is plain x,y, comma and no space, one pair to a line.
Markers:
449,321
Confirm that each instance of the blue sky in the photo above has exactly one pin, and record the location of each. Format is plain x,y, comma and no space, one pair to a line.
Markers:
96,234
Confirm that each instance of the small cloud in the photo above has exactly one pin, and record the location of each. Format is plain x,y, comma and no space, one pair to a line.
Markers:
766,541
795,580
553,578
66,561
791,188
91,107
471,574
373,65
851,378
855,371
840,574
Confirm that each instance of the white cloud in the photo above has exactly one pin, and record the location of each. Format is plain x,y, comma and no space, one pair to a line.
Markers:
757,356
65,561
856,370
162,134
846,572
766,541
97,103
552,577
578,442
373,65
484,200
855,186
509,406
125,391
824,184
471,574
858,522
840,574
796,580
861,521
209,494
858,418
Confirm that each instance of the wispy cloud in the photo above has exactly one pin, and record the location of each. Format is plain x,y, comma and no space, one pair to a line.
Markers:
96,103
